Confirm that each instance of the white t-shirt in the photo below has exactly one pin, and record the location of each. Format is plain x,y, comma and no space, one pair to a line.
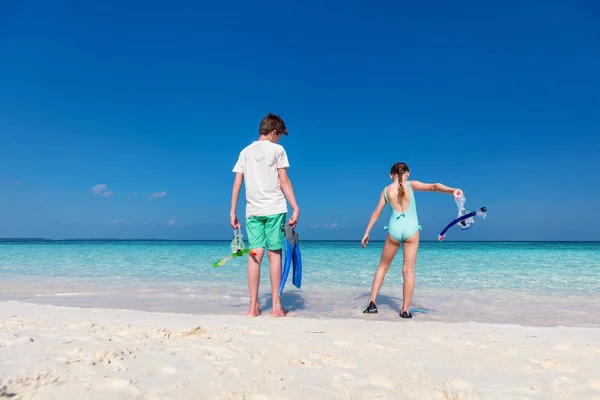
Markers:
259,163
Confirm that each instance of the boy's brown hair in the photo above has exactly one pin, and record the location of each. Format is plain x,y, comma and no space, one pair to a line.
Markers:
270,123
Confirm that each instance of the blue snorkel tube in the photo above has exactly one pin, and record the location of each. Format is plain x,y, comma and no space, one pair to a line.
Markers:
465,217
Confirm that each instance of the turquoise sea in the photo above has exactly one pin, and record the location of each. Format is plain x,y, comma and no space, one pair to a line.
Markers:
530,283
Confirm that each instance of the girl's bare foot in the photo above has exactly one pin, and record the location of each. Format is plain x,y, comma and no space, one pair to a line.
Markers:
254,311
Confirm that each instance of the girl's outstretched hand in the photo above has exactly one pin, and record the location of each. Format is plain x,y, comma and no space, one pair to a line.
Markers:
457,193
365,240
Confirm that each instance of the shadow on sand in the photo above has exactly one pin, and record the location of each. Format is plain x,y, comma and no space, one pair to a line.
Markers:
291,301
395,303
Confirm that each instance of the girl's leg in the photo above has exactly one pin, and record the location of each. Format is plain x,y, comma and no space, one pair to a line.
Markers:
408,270
387,255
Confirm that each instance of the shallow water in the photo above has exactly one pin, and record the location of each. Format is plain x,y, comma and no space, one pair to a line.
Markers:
523,283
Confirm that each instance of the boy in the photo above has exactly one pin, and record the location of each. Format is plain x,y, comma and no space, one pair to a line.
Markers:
263,164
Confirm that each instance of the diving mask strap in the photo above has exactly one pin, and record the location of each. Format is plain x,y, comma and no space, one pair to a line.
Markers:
237,244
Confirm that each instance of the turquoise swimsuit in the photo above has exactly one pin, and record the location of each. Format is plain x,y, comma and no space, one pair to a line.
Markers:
403,225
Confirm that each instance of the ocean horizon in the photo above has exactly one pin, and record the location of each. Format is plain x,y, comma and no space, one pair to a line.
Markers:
109,239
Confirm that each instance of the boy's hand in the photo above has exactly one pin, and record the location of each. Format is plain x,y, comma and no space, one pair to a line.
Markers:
294,219
457,193
365,240
233,221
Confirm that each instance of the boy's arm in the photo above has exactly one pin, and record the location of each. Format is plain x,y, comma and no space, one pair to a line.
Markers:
435,187
288,191
235,194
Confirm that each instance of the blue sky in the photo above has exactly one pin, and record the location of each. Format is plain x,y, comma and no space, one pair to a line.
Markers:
156,99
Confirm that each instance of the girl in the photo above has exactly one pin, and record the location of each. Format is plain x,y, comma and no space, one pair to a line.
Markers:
403,227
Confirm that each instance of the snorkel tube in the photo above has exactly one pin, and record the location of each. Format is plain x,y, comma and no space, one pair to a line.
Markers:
237,249
464,218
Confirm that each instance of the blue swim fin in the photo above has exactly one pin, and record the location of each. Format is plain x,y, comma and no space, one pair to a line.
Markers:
297,263
287,262
291,256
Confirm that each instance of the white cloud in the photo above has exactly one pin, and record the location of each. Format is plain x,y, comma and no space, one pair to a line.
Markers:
156,223
119,221
333,225
158,195
100,190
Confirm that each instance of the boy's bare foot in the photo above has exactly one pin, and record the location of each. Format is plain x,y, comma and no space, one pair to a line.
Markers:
279,312
254,311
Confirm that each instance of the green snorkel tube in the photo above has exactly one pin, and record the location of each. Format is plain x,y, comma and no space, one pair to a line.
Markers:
237,248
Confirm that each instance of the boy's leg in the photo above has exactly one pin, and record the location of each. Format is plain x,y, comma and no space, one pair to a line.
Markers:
254,281
255,230
275,272
275,240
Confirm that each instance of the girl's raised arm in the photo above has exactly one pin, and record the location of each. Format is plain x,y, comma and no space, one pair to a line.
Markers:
373,220
435,187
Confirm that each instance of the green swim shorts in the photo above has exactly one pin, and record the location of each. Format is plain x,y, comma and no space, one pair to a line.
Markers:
266,231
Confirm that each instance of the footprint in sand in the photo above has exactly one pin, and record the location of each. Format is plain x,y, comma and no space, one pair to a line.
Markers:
305,362
258,397
4,392
109,359
459,389
68,339
381,381
19,340
166,370
402,341
491,338
554,365
146,335
454,395
563,384
36,380
470,344
196,331
18,323
505,353
595,384
563,347
248,331
370,387
460,384
342,343
436,339
80,325
124,386
334,361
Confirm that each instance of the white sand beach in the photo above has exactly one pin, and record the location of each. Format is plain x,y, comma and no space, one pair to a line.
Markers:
49,352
